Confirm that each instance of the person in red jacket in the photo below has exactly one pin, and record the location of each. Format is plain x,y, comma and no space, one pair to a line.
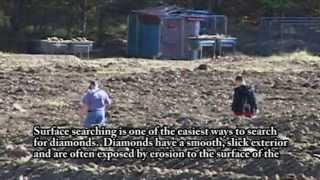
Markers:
244,99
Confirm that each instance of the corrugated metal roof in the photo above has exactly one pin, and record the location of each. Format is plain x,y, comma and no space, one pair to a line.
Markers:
160,10
173,10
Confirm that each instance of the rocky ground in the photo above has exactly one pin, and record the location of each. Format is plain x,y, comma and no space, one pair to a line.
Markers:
45,90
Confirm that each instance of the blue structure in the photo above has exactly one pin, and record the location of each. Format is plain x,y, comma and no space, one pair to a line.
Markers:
143,36
133,35
163,32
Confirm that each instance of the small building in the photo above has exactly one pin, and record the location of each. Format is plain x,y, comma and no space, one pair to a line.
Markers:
162,32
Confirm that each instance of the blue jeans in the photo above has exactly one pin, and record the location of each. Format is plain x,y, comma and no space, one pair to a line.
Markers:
95,118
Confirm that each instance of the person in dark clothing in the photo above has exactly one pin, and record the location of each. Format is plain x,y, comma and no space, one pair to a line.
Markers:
244,100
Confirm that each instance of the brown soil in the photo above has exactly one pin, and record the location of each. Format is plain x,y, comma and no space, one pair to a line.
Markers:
48,94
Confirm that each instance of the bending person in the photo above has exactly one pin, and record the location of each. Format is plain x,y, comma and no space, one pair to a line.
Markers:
94,102
244,99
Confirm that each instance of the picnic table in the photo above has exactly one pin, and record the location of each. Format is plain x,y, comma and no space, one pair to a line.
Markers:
217,42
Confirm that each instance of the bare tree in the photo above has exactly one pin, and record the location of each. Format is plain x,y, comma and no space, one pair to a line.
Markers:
18,7
84,13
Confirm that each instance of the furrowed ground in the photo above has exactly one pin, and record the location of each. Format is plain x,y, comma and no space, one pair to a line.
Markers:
45,90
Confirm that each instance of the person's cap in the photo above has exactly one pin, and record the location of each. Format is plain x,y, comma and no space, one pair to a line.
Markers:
93,84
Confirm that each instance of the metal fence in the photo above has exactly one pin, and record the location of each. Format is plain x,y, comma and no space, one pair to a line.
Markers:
288,34
215,24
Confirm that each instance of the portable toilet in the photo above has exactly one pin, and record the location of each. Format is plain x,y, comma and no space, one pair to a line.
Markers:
163,32
144,31
133,35
171,38
150,36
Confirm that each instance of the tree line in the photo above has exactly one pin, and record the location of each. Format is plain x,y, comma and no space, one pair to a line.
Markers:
27,19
